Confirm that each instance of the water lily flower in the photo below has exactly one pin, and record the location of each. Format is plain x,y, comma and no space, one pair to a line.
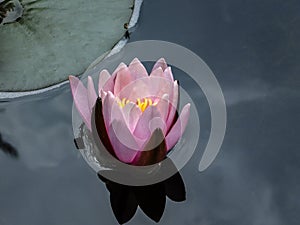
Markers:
135,113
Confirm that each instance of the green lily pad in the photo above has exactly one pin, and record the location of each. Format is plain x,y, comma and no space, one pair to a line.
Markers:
55,38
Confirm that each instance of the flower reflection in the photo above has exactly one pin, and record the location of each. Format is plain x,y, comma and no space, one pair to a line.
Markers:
151,199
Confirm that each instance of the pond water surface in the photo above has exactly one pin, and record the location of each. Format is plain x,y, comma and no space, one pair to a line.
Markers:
253,49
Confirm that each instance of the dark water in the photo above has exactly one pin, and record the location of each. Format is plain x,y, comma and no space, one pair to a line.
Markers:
253,48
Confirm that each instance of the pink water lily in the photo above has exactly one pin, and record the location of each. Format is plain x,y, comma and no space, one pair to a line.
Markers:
138,111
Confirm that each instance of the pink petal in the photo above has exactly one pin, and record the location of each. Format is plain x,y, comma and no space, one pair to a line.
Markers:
108,101
158,72
113,112
103,94
116,112
147,87
153,151
103,78
178,128
123,78
120,67
173,105
132,114
163,107
80,97
137,69
160,63
160,86
157,123
92,96
110,83
124,144
168,74
136,89
142,129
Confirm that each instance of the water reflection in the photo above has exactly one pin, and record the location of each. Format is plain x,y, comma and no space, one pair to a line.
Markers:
8,148
151,199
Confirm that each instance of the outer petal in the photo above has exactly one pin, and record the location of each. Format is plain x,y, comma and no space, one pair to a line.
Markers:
174,104
158,72
160,63
80,97
137,69
104,76
178,128
100,127
110,83
124,144
107,105
123,78
168,74
120,67
92,96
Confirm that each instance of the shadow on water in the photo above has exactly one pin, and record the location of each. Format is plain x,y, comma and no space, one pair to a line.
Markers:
8,148
151,199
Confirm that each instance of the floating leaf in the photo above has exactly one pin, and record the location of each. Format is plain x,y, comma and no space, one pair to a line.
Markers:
53,39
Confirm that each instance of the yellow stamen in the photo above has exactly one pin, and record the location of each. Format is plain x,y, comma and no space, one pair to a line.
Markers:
123,102
144,103
143,106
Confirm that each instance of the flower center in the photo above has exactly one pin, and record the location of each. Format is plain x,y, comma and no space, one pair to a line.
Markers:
141,103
